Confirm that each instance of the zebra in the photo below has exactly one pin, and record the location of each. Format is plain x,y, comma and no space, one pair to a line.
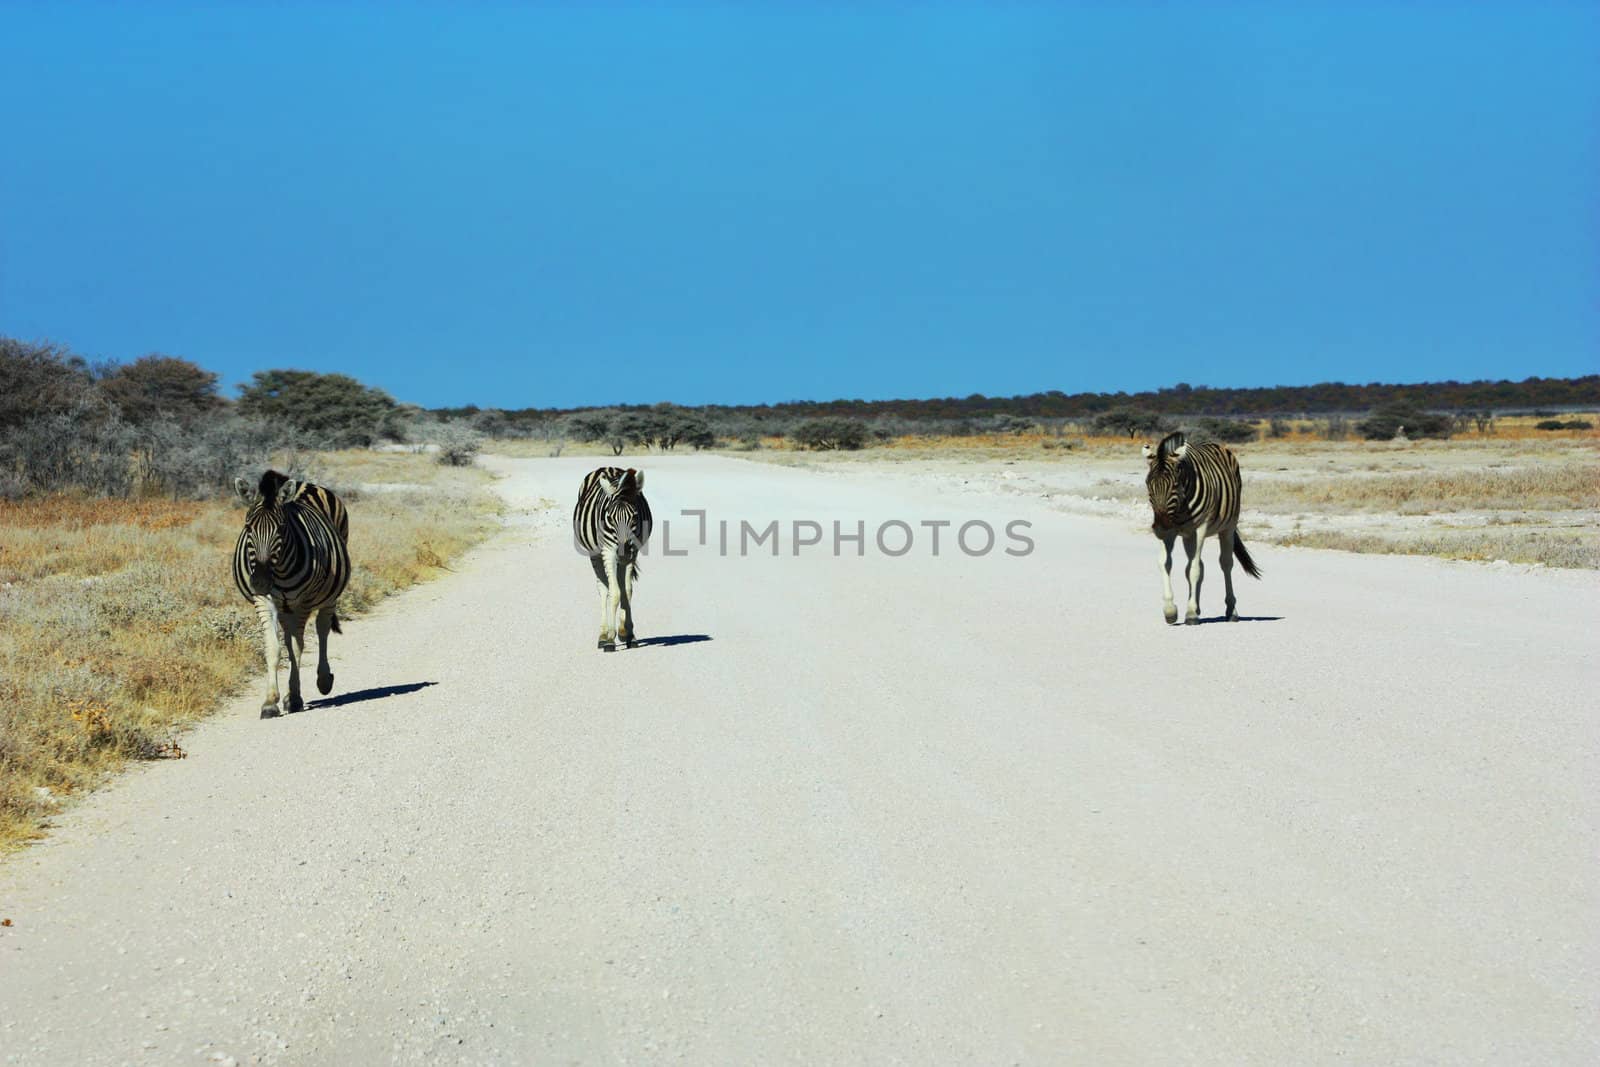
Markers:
292,561
611,524
1194,493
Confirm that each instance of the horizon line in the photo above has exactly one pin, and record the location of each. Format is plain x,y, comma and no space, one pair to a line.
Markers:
622,404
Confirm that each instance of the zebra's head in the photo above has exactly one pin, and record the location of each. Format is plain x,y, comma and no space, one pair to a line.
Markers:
624,502
262,539
1162,481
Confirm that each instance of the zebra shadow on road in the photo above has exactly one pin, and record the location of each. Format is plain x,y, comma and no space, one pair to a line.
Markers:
669,640
361,695
1243,618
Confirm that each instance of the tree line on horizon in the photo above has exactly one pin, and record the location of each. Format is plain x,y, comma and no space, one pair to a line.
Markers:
1503,396
160,423
1433,408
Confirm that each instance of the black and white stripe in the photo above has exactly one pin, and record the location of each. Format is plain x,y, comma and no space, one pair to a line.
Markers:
1195,492
292,562
611,524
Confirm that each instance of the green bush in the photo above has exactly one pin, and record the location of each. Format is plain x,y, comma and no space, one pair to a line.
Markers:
161,387
1557,424
666,426
1386,423
333,409
39,379
1004,423
1228,431
824,435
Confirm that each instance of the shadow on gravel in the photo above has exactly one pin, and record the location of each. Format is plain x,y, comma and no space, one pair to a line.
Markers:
673,639
1243,618
361,695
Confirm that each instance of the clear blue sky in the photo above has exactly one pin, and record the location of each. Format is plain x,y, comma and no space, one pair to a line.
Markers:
580,203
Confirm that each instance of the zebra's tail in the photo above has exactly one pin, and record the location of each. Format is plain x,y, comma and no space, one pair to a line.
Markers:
335,626
1243,557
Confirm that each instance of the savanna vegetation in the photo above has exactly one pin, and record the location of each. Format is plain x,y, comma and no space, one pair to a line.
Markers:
1375,412
119,623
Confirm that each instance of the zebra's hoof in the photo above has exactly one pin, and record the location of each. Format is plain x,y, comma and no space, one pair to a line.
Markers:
1171,615
296,704
1233,616
606,646
269,711
632,643
1191,620
325,684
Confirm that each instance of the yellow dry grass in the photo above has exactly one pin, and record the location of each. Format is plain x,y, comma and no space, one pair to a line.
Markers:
119,622
1571,549
543,448
1544,487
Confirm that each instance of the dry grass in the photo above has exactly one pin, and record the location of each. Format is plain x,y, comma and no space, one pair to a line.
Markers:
1542,487
1522,428
1550,548
534,448
119,622
353,469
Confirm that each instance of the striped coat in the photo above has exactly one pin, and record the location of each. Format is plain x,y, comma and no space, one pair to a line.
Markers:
611,525
1195,492
292,561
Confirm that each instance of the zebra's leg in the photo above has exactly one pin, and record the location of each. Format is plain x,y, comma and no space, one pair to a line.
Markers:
325,619
605,610
625,604
1197,569
605,572
1168,607
600,584
269,638
1225,544
614,616
294,636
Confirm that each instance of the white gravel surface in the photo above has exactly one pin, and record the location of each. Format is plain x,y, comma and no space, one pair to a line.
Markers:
872,809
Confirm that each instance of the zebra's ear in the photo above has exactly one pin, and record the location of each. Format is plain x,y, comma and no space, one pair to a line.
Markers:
1147,451
608,486
638,480
1182,450
246,491
288,490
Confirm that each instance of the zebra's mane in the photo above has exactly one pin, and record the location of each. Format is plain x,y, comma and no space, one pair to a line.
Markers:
1170,444
628,483
269,485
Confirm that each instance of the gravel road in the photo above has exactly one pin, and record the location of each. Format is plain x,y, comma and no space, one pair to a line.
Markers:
885,809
